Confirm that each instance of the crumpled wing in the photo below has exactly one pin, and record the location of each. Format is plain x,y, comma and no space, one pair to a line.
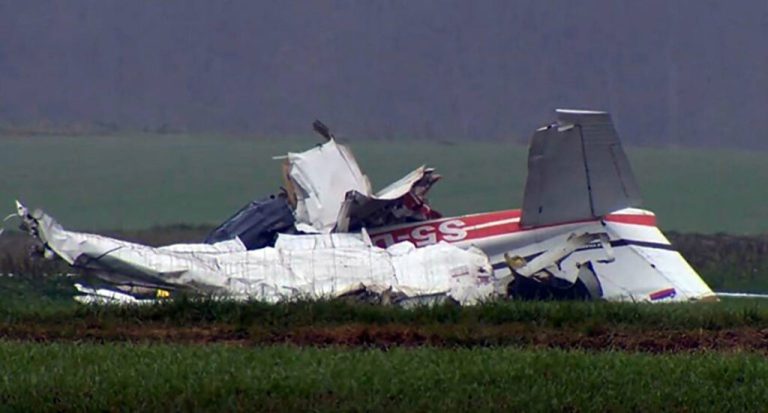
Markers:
306,266
121,261
577,170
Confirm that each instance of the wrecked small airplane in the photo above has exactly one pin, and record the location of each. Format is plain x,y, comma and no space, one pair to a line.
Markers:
579,235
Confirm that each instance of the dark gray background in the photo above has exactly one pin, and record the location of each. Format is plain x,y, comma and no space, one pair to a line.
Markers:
686,73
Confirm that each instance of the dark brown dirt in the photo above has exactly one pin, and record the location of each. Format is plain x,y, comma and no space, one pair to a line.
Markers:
358,335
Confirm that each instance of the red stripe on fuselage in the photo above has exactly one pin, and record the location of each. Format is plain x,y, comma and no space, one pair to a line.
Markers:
470,227
647,220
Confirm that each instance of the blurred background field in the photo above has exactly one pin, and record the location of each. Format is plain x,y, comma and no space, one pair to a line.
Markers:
145,180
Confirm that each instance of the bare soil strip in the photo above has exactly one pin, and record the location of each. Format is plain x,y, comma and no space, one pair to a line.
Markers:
394,335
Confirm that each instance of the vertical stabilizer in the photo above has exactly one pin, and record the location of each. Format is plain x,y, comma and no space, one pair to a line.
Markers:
577,170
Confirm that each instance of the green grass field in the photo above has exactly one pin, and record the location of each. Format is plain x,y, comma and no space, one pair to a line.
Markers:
47,300
78,377
56,355
129,182
192,355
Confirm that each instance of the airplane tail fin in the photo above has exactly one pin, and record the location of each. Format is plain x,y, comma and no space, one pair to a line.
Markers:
577,170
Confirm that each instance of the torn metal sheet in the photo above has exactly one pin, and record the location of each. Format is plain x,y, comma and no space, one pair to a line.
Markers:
306,266
545,276
325,190
551,260
322,176
331,193
402,201
611,260
88,295
256,224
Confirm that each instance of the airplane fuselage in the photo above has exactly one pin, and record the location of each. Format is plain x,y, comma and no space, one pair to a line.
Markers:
496,232
636,246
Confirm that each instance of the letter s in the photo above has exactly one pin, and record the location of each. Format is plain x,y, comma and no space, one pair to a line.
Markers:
424,236
453,230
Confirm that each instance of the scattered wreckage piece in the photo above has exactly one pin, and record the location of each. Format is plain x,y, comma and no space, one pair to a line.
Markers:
102,296
257,224
320,179
299,266
579,182
607,261
326,191
579,235
331,193
630,258
544,277
402,201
